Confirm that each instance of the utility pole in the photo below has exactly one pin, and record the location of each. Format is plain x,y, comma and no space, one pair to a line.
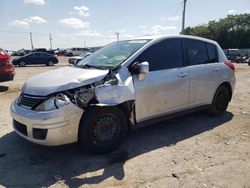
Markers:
50,41
183,17
117,35
84,44
31,42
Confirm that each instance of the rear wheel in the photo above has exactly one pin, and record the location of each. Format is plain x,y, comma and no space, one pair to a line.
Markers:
220,101
102,129
50,63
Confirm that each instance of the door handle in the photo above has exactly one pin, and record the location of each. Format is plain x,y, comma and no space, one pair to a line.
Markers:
182,75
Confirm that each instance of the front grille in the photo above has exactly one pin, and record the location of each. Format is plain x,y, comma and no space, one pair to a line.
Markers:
40,134
29,101
21,128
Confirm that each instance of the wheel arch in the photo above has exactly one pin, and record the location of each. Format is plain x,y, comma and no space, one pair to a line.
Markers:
127,107
229,88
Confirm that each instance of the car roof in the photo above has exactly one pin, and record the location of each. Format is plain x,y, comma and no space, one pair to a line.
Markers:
159,37
38,53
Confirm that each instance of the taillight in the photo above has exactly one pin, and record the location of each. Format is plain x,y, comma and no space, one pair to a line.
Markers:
230,65
55,56
4,56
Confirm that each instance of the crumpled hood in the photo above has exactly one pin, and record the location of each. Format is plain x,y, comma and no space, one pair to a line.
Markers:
62,79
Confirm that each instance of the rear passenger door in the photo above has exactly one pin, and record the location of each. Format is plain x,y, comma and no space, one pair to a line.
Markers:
165,88
201,57
45,58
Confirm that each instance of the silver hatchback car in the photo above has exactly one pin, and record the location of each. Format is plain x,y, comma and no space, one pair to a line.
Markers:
122,86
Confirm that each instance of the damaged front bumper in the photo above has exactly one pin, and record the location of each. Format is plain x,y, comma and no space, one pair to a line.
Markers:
49,128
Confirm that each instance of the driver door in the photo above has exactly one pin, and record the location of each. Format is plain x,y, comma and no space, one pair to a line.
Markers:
165,88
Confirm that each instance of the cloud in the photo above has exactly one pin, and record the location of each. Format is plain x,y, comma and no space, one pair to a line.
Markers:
82,10
122,30
231,11
20,24
128,36
35,2
173,18
158,29
74,23
143,26
35,19
25,23
88,33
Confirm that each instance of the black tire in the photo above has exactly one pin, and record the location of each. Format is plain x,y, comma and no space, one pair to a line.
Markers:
50,63
220,101
22,64
102,129
77,61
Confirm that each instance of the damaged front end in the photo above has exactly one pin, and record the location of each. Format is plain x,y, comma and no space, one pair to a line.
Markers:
112,90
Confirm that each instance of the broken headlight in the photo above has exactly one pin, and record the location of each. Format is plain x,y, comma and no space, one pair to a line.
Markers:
83,96
53,103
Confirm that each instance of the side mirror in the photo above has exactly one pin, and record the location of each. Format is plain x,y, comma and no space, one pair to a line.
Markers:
143,70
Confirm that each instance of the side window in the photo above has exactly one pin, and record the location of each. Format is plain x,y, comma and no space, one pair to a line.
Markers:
196,52
35,55
32,56
165,54
212,53
46,55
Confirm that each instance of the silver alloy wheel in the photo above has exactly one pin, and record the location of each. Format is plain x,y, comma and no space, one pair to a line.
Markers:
22,64
50,63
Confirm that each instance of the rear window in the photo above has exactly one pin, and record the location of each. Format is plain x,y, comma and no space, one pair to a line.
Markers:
196,52
212,53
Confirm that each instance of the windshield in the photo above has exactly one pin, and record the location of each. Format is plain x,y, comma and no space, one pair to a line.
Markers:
112,55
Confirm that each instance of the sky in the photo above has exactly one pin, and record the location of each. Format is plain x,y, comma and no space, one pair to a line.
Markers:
88,23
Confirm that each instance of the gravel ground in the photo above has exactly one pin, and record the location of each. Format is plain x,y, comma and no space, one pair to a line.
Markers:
195,150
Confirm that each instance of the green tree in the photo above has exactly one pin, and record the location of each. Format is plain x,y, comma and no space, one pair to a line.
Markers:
230,32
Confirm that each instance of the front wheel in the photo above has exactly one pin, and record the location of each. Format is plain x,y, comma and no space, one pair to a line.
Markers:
220,101
102,129
22,64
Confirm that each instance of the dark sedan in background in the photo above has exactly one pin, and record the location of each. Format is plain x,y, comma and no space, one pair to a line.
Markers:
36,58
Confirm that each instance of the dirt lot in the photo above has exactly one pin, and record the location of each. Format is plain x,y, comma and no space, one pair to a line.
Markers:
195,150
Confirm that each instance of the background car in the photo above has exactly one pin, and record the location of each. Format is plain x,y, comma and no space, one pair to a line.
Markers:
43,50
77,51
36,58
234,55
75,59
7,71
21,52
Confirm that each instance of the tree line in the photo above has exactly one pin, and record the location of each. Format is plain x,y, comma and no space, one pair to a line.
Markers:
230,32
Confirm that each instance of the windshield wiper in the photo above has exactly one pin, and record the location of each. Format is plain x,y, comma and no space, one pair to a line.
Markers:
92,66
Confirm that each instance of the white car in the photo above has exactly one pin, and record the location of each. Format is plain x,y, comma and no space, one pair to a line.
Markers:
122,86
75,59
77,51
